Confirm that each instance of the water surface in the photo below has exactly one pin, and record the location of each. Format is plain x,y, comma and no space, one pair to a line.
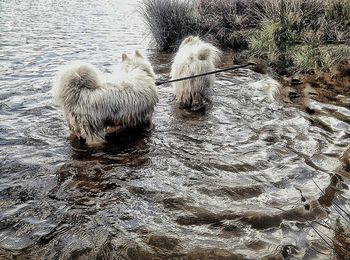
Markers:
235,182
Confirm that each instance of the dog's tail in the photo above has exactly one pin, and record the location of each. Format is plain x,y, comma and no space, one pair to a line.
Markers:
209,52
71,79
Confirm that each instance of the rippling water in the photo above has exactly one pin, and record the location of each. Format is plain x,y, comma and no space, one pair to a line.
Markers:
234,182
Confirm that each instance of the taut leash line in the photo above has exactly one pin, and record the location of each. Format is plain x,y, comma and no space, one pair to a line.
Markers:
158,83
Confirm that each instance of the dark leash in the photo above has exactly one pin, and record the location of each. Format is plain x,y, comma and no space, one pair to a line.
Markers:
158,83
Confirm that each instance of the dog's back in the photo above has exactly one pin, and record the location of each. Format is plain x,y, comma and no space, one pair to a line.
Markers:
194,57
71,79
92,101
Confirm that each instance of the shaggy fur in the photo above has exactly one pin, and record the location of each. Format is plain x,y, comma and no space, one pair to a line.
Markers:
194,57
93,101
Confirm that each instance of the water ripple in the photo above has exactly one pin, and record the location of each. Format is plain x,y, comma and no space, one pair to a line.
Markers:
196,185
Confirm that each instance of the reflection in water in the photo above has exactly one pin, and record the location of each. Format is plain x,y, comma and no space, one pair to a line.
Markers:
238,180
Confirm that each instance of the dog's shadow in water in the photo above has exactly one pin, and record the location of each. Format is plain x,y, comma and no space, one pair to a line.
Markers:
91,171
192,114
129,143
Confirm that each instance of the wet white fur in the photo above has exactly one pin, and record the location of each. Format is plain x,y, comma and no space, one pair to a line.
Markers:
93,101
194,57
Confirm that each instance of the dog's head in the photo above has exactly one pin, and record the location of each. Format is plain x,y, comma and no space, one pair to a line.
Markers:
137,61
201,49
190,40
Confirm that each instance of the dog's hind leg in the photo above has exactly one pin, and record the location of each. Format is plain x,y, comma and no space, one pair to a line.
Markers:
95,140
92,136
197,102
185,101
73,124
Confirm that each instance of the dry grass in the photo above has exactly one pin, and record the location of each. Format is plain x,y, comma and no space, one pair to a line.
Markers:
169,21
311,59
270,29
263,43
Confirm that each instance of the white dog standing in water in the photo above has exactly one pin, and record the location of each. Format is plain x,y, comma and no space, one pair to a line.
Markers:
194,57
92,101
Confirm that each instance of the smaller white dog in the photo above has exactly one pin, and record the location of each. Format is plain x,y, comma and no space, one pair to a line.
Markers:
94,102
194,57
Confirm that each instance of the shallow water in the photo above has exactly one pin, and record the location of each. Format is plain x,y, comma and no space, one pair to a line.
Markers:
234,182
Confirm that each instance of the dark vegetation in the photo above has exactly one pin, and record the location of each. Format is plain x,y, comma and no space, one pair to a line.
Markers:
302,36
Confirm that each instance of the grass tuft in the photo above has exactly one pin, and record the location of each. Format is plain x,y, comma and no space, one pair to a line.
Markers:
311,59
169,21
263,44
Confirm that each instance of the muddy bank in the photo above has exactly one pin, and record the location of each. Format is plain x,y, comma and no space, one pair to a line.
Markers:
325,87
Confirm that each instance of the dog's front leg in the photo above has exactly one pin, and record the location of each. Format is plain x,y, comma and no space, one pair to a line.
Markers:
113,129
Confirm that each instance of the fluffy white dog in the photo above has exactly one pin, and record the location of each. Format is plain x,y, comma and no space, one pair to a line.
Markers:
194,57
93,101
